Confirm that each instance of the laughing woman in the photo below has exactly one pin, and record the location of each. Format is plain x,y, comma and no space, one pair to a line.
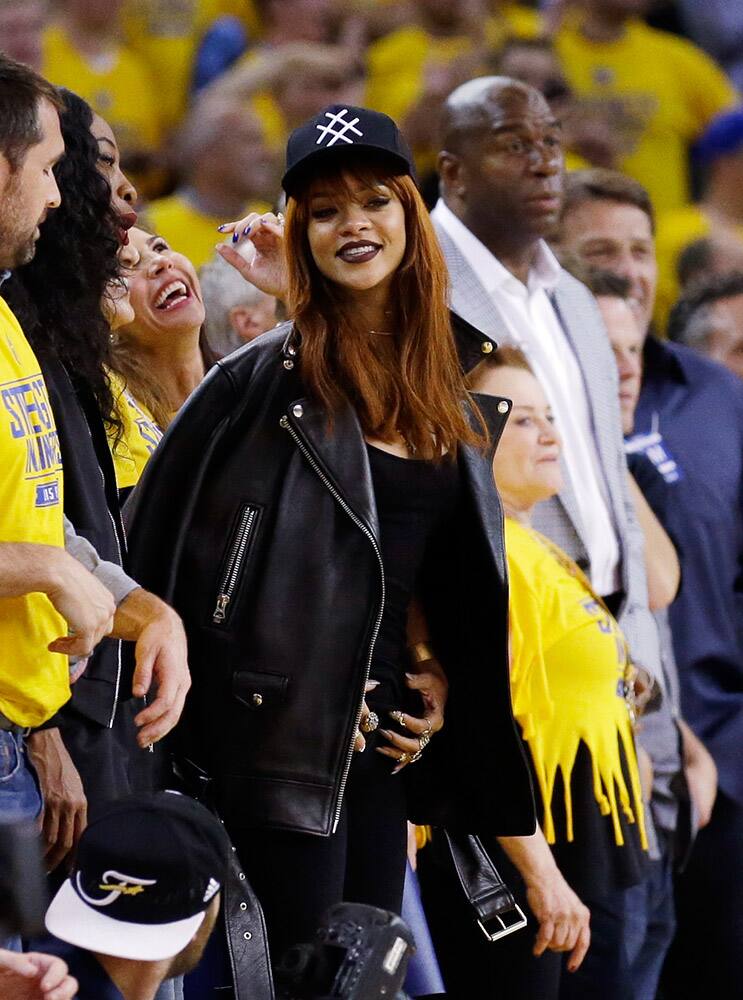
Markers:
315,483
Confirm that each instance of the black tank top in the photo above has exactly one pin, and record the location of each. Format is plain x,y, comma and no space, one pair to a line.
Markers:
414,498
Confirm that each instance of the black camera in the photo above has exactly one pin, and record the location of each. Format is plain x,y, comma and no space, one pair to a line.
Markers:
359,953
23,895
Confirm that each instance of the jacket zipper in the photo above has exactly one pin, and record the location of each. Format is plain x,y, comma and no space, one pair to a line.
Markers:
237,551
284,422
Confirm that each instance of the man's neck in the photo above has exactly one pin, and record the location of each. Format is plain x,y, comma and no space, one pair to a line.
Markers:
723,206
516,253
215,200
89,40
600,25
135,980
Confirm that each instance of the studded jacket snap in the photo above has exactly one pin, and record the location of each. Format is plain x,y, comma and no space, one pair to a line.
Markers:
257,521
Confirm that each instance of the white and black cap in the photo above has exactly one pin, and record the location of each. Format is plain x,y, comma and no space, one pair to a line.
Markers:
337,131
147,869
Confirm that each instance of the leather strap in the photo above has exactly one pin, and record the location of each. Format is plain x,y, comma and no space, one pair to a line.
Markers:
245,928
496,910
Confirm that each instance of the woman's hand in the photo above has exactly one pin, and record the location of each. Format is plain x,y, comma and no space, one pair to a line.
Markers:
368,722
266,267
563,919
433,689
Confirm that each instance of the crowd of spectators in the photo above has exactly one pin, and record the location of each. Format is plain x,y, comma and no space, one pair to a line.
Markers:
582,162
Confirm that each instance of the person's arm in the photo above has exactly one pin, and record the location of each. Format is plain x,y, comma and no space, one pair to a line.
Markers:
161,657
563,918
701,773
160,651
86,604
34,976
64,813
661,560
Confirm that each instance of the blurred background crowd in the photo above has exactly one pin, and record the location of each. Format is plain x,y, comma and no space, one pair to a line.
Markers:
202,94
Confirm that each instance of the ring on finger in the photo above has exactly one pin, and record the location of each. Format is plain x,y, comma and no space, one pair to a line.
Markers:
370,723
399,718
428,731
423,740
280,218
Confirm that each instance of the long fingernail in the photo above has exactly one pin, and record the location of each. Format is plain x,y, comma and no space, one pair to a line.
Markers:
372,684
247,229
410,676
221,229
235,236
385,732
398,769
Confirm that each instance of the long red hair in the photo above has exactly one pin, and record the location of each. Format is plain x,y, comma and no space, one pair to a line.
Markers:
409,384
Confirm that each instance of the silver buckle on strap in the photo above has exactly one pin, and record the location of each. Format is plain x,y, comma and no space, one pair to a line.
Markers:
506,929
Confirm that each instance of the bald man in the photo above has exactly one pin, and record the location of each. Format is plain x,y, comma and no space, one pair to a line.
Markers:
501,170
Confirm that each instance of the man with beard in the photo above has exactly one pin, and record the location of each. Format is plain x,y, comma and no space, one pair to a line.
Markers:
44,592
34,678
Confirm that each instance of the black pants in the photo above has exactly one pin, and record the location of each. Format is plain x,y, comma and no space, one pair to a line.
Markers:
706,957
474,967
297,877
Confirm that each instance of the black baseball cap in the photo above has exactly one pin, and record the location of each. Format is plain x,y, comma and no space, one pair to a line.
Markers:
147,869
334,132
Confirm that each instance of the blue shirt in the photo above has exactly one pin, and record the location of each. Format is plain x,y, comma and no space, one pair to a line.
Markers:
689,423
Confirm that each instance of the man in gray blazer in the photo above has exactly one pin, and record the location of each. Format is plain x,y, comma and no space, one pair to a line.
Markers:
501,171
501,186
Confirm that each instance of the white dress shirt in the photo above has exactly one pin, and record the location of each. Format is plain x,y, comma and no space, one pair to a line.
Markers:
533,326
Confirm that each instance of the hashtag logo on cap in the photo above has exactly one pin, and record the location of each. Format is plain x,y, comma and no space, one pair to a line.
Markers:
337,128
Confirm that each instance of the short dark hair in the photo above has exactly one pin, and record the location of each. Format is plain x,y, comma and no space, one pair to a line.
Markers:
687,320
21,90
694,260
599,184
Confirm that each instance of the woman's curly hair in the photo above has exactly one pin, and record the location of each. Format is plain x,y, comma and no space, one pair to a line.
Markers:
57,296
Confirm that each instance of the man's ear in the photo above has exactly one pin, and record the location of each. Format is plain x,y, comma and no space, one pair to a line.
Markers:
452,173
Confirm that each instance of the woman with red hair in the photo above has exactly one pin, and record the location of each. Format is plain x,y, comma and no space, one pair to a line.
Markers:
322,514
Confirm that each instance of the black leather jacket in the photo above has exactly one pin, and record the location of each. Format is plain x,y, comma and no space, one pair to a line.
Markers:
259,526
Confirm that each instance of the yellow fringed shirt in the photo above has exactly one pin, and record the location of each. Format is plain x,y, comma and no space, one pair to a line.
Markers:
568,665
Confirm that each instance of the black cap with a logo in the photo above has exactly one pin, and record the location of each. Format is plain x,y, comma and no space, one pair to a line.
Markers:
335,132
146,872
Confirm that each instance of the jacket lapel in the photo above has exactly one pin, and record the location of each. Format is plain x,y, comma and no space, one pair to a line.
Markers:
340,453
468,298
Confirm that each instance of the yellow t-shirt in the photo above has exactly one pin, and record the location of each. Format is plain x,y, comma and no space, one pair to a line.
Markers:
166,35
121,92
568,660
187,230
34,683
140,435
661,92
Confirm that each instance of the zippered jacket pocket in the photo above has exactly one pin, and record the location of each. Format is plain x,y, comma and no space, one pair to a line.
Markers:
236,558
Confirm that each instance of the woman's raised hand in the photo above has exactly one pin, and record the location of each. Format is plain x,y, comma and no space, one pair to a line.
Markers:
265,265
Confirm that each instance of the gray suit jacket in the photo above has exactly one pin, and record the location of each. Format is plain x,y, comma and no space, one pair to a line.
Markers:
559,518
